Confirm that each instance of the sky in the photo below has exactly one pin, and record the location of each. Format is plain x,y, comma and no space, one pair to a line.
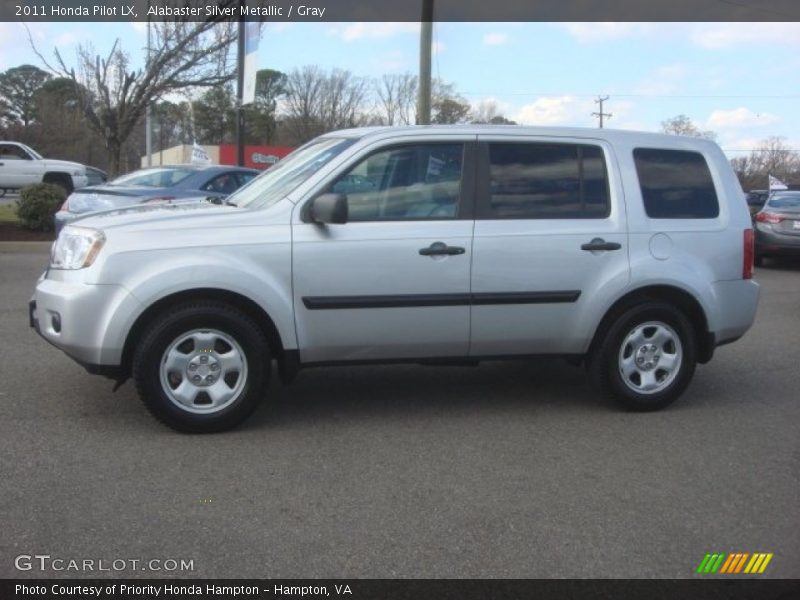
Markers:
740,80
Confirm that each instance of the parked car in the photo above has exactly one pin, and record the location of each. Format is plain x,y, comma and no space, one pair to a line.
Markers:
21,165
777,226
756,200
174,184
628,252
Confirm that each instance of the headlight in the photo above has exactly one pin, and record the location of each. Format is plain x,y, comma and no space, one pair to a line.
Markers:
76,248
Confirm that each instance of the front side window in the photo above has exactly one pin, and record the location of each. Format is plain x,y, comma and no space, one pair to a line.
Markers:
12,152
546,181
413,182
675,184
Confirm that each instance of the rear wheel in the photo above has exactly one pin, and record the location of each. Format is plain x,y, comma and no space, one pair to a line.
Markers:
202,367
647,358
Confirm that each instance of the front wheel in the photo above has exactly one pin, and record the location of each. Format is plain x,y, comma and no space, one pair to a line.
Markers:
647,358
202,367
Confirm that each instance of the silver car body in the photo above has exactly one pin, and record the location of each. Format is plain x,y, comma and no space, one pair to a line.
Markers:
272,258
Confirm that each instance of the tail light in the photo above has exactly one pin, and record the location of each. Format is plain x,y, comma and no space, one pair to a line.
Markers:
159,200
768,217
747,266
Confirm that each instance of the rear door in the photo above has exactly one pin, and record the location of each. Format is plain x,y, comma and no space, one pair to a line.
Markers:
550,243
392,282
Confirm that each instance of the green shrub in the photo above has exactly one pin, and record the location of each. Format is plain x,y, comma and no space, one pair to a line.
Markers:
37,204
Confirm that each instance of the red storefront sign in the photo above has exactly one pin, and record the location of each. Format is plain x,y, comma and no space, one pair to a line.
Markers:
255,157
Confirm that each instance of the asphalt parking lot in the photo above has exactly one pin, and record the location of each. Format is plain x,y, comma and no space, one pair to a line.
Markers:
510,470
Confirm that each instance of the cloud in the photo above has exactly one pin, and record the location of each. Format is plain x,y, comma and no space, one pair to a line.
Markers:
715,36
392,62
13,37
664,80
739,118
67,38
358,31
555,110
586,33
495,39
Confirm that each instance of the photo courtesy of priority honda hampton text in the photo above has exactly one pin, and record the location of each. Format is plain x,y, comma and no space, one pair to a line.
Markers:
628,252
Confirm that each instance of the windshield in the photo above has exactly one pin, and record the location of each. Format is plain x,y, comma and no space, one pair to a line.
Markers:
154,177
790,201
32,152
288,173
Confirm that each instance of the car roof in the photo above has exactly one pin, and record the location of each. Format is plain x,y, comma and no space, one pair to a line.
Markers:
611,135
199,168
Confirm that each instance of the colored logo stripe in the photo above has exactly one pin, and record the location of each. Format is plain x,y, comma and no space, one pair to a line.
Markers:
735,562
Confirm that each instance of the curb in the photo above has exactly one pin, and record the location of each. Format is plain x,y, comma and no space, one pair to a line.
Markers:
25,247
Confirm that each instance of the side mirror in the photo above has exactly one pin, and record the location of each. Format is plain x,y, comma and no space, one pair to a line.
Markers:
328,208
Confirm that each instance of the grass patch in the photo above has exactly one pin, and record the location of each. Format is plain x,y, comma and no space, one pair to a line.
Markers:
8,213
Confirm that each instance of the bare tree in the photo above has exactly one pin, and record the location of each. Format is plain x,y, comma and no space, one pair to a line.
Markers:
114,96
317,102
397,98
771,157
774,157
683,125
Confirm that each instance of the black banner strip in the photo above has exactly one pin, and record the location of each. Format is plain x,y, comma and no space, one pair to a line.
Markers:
402,589
392,10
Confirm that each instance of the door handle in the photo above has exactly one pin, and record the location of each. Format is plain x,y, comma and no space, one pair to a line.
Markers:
600,244
441,249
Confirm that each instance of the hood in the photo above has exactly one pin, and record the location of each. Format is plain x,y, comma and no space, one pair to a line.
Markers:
64,165
152,217
108,197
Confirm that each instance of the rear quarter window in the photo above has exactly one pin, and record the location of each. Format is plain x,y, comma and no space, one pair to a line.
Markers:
675,184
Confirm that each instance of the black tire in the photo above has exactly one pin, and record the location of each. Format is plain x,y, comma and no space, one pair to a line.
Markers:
605,364
62,180
228,327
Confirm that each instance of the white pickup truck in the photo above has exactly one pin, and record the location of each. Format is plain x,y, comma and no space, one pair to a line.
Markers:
21,165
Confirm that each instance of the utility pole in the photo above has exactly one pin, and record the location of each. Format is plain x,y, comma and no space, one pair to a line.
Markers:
240,89
425,42
601,114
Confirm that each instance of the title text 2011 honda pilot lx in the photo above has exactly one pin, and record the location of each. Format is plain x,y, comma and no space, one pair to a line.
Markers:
631,252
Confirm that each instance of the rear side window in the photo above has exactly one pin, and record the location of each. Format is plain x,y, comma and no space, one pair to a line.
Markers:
546,181
675,184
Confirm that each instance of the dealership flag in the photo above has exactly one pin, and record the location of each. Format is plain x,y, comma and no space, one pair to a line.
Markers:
199,155
776,184
251,37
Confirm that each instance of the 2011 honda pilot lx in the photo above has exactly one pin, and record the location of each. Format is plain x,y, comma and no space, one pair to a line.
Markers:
630,252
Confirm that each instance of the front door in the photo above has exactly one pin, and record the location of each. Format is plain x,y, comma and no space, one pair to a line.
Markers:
16,168
392,282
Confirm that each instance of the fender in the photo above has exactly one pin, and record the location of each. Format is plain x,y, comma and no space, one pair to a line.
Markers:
184,271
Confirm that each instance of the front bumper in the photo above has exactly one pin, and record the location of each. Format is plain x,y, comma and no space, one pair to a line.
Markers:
87,322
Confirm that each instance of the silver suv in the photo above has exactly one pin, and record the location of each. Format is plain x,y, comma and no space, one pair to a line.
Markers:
629,252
